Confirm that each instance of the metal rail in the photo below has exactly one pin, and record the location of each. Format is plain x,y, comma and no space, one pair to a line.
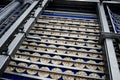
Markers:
112,64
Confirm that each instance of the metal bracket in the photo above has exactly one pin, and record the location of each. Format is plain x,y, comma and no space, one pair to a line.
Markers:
105,35
21,29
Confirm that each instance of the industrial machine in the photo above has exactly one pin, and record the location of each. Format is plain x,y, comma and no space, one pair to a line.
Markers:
59,40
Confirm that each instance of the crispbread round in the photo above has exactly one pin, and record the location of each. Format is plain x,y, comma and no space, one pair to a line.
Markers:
68,72
64,34
31,47
56,61
92,37
82,49
95,75
92,50
81,73
65,77
79,65
63,47
71,42
93,55
73,35
61,51
51,50
42,73
80,43
23,56
43,39
23,46
45,60
25,42
35,58
71,52
65,27
91,61
72,48
66,63
52,46
100,68
25,52
82,36
42,44
79,60
54,75
51,40
33,66
41,48
91,67
21,70
33,43
90,44
82,54
61,42
12,63
9,69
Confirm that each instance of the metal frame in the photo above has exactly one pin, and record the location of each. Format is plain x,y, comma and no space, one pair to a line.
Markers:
112,65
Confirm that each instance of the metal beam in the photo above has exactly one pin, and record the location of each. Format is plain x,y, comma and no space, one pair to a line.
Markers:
3,62
111,2
13,47
113,69
82,0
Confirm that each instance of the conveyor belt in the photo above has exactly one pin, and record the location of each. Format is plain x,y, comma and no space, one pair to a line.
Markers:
61,48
